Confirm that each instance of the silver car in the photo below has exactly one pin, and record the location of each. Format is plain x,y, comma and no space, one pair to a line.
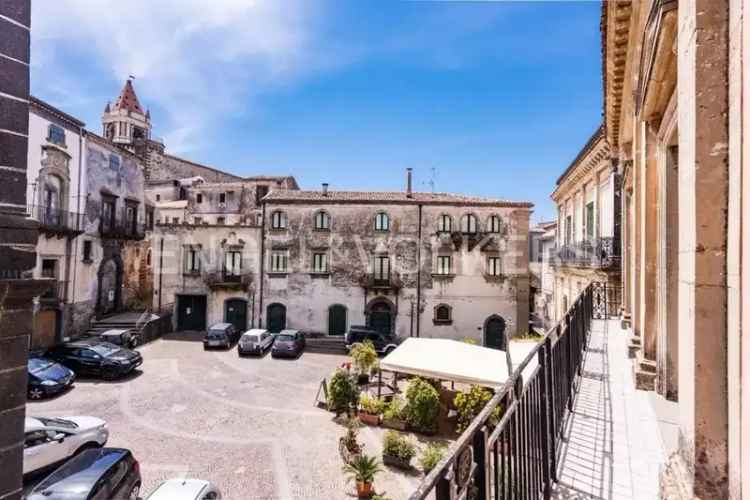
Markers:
255,341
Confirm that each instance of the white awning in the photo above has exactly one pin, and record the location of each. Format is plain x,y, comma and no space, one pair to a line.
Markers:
456,361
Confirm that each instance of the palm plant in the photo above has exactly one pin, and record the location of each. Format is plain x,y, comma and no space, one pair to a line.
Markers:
362,469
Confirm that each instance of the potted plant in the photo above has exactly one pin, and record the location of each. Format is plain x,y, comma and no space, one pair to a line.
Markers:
370,409
342,392
398,450
422,406
364,357
393,414
362,470
470,403
349,447
431,456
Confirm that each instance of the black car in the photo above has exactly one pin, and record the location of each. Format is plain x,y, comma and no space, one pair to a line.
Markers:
288,344
383,343
47,378
96,474
93,357
221,335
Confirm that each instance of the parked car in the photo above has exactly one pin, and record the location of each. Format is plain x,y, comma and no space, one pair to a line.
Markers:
101,473
383,343
288,343
91,356
47,378
122,337
255,341
221,335
185,489
49,441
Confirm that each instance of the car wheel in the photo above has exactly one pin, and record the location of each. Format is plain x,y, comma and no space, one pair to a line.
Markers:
36,393
134,492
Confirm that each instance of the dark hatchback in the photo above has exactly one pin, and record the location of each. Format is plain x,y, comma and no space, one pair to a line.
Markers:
96,474
288,344
384,344
93,357
47,378
221,335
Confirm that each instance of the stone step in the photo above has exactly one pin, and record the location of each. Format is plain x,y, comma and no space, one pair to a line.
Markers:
328,345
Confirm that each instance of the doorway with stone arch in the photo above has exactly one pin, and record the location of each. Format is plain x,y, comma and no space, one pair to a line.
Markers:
494,332
381,315
337,320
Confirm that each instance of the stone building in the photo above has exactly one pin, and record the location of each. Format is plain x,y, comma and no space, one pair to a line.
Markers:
676,116
542,242
407,263
587,196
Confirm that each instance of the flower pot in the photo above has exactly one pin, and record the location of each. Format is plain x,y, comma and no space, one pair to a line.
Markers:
364,490
369,419
399,425
395,461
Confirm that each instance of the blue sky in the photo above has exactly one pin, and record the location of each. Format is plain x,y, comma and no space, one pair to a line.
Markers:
496,97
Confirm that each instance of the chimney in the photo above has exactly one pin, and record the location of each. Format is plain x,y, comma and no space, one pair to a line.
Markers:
408,182
325,189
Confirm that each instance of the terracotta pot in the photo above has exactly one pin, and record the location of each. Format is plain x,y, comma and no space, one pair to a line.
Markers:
369,419
364,490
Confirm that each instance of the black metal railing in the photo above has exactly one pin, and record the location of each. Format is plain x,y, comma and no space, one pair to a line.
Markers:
223,279
381,280
598,253
56,220
122,229
517,458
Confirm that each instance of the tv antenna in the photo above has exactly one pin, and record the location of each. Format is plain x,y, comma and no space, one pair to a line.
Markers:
433,174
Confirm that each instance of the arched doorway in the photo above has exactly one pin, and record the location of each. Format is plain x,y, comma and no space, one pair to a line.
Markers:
337,320
381,316
109,295
276,318
494,332
235,312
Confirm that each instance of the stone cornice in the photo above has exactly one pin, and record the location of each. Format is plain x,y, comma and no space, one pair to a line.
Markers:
615,27
595,156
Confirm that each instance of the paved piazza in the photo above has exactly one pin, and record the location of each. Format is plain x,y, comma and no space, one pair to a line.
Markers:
247,424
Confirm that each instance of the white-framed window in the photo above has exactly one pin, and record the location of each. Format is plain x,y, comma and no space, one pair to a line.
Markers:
382,268
278,220
445,224
320,262
493,266
233,262
382,222
192,259
279,262
322,221
469,224
444,264
494,224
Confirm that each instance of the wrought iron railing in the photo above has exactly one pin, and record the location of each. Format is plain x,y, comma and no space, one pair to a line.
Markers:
517,458
223,279
598,253
53,219
121,229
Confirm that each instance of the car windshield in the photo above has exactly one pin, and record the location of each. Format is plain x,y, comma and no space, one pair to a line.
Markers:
250,338
38,365
216,333
285,338
57,422
105,348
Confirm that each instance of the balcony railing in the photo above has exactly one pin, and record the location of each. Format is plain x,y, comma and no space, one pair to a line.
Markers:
517,458
122,230
57,221
381,281
601,253
228,279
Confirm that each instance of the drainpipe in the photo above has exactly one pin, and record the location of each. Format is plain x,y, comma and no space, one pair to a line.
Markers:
81,220
161,269
419,268
262,263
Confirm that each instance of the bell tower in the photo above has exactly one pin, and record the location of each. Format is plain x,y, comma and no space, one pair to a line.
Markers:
125,123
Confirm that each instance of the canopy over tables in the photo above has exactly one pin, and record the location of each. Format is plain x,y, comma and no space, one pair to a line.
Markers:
455,361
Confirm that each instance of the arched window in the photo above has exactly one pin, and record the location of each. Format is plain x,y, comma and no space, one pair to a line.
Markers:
322,221
445,224
469,224
278,220
382,222
493,224
443,314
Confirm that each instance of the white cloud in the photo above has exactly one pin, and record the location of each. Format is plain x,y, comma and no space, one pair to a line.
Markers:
196,60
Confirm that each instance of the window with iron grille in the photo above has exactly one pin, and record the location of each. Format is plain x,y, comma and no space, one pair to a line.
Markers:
493,224
443,313
320,262
279,262
278,220
469,224
192,260
493,266
444,264
322,221
56,134
445,223
382,222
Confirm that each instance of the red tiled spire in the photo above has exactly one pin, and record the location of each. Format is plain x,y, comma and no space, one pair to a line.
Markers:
128,100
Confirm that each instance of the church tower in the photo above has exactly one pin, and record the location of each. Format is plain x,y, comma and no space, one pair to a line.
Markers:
126,123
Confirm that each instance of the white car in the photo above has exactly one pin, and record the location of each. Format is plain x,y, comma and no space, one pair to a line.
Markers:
50,441
255,341
185,489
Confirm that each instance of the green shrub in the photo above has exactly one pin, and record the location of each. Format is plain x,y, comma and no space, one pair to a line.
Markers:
396,445
342,392
431,456
364,356
394,409
371,405
422,405
470,404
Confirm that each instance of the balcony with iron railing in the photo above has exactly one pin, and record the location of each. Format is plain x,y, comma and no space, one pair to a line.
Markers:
381,281
122,229
601,253
228,279
56,221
